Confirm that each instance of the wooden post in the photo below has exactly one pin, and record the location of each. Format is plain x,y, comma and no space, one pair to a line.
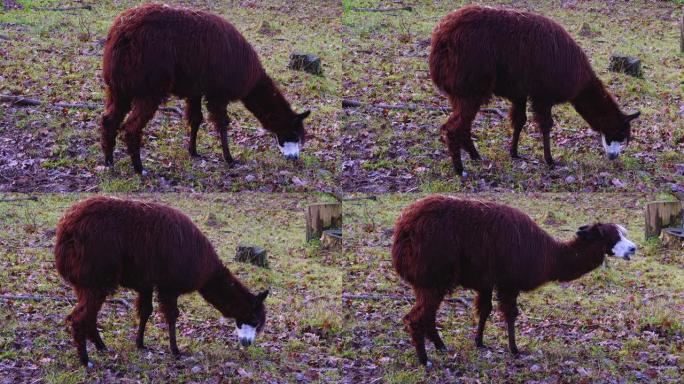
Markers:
320,217
660,214
681,36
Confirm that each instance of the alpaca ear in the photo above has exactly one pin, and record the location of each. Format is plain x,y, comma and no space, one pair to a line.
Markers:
587,233
303,115
262,296
633,116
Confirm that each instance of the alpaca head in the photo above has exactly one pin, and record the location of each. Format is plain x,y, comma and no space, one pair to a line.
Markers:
290,137
249,325
612,237
619,136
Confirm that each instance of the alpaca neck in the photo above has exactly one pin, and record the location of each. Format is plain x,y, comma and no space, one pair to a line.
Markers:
226,293
597,106
576,258
267,104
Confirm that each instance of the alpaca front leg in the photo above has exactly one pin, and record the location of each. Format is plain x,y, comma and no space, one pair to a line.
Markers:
219,117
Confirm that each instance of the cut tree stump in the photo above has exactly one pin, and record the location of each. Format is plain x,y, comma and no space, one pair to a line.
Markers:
331,239
660,214
251,254
320,217
626,64
305,62
672,238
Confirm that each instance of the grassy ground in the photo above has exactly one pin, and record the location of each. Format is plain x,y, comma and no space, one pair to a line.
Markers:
304,330
622,323
386,62
56,56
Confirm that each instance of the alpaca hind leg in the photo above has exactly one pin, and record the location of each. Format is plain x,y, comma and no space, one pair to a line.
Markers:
193,116
456,132
508,304
420,322
414,329
115,112
432,306
169,307
483,303
544,121
219,117
84,322
144,306
142,112
518,117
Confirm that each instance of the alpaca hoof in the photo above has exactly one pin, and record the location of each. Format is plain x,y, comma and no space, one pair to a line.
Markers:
194,154
515,352
428,364
102,348
443,349
464,174
88,365
141,346
109,163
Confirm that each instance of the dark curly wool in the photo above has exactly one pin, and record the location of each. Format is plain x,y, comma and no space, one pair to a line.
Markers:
478,52
103,243
442,242
155,50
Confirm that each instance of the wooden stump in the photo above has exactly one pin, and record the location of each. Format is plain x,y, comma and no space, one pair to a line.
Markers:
320,217
251,254
660,214
331,239
672,238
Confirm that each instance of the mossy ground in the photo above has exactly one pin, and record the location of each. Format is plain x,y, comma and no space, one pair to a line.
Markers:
620,323
56,56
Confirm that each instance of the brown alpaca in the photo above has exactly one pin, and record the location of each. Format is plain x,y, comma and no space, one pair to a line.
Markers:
103,243
155,50
478,52
442,242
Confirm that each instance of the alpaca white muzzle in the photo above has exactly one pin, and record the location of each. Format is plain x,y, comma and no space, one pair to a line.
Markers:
290,150
246,334
613,149
624,248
